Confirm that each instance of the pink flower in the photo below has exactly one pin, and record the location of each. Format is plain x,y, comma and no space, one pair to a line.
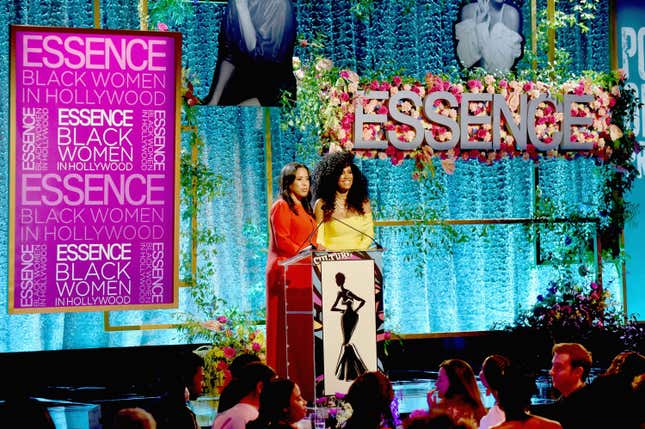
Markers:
229,352
162,26
396,80
256,347
222,319
474,84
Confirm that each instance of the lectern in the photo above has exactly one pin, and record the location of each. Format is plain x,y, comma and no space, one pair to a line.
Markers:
334,314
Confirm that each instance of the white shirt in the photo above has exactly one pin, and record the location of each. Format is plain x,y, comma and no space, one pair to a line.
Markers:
494,417
235,417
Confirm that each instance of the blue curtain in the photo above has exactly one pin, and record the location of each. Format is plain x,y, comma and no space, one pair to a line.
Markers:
434,281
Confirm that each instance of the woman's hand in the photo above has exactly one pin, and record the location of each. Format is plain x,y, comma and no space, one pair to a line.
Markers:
432,398
481,13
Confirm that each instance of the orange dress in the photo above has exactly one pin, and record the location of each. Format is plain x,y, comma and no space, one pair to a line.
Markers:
289,234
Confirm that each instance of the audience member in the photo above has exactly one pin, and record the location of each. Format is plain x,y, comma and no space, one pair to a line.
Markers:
281,406
436,419
514,396
173,411
194,375
613,391
370,396
569,371
252,380
491,376
133,418
456,392
230,394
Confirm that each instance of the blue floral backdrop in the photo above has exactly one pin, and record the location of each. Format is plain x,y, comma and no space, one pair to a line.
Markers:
433,283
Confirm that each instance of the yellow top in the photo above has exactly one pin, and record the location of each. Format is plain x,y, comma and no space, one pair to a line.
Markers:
337,234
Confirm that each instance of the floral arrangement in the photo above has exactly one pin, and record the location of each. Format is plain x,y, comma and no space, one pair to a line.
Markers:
342,97
328,96
229,334
570,312
335,412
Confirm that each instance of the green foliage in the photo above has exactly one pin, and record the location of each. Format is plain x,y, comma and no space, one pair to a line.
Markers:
165,11
559,69
229,332
314,73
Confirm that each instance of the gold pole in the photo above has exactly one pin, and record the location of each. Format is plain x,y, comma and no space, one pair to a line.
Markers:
193,216
143,15
550,16
97,13
613,36
268,162
534,32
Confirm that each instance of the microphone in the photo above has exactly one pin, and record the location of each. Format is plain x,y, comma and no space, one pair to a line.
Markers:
376,243
309,246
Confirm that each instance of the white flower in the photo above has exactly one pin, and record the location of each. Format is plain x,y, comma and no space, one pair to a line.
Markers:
344,414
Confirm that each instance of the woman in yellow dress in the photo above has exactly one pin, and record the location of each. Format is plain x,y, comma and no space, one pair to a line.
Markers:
342,207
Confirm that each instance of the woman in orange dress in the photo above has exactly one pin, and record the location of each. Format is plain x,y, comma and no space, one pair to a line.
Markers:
293,228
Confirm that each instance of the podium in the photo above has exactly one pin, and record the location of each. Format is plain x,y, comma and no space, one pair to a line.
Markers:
334,314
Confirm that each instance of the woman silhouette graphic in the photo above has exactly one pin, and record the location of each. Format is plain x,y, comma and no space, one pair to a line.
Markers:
350,365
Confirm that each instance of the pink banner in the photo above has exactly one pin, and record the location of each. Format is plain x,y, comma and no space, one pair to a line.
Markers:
94,158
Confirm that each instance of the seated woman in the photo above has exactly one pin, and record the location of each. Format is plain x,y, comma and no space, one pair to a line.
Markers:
456,392
281,406
342,207
370,396
491,376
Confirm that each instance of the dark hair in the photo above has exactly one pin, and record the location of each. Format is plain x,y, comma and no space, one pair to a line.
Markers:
370,396
326,175
240,361
275,401
287,177
254,373
231,394
578,355
493,370
462,384
194,361
628,364
518,385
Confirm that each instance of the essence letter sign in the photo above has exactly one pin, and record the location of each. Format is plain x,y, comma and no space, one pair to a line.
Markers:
94,160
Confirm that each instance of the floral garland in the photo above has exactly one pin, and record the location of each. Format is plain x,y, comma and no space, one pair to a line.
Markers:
341,98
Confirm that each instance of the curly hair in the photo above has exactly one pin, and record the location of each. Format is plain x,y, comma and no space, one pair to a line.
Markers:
287,177
325,180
